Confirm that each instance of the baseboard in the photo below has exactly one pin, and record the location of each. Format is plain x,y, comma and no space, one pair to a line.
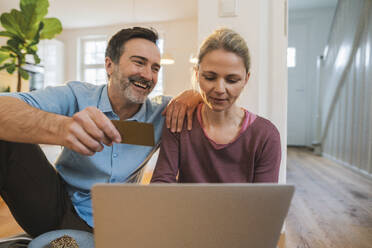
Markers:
348,166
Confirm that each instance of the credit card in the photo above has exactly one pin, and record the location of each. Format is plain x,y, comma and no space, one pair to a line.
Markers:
135,133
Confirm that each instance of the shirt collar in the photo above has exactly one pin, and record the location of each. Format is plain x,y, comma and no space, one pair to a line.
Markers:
141,114
104,102
105,106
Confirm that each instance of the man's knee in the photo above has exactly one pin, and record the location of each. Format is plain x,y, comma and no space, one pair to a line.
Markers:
13,153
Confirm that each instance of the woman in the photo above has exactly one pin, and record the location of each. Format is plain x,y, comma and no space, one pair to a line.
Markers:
227,143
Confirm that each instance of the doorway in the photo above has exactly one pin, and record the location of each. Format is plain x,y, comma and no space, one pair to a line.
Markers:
298,95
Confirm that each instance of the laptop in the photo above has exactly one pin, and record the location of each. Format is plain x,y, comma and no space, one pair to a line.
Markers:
189,215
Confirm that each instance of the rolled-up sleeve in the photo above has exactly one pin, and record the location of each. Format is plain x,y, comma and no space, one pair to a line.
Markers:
59,100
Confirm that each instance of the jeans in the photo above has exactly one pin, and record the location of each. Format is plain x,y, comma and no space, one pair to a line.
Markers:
34,191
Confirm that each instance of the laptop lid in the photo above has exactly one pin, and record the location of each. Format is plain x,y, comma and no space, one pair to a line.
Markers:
189,215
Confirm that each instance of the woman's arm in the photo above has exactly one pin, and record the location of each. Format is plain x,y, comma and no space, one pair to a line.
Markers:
268,164
167,166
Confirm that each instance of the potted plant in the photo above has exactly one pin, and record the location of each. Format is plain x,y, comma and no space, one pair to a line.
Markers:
25,28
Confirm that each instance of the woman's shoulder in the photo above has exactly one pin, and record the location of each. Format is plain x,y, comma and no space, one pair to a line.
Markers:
195,129
264,126
196,122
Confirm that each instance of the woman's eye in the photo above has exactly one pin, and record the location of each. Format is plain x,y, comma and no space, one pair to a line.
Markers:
232,81
209,78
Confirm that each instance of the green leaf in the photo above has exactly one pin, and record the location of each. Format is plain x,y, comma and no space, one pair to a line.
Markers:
11,68
52,27
24,73
7,65
37,59
8,34
25,28
14,44
3,67
4,56
16,38
32,49
36,38
11,49
6,50
23,59
34,10
13,22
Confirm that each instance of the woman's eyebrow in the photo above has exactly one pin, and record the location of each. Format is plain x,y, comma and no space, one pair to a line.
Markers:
233,75
208,72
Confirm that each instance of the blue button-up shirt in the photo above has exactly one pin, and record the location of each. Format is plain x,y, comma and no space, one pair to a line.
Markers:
114,164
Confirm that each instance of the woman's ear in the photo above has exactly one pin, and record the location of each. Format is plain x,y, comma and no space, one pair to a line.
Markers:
195,77
196,71
247,77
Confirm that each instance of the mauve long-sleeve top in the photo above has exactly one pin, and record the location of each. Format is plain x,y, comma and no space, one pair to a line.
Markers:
253,156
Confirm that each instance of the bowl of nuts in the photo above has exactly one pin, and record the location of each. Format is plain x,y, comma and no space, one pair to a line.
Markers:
66,238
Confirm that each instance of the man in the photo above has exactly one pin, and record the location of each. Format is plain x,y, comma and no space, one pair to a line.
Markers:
77,116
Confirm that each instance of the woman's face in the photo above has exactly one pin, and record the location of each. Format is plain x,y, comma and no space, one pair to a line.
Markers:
222,77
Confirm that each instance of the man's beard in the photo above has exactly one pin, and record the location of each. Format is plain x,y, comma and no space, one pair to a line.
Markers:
127,84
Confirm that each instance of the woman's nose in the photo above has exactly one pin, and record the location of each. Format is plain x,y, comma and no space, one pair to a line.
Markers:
220,86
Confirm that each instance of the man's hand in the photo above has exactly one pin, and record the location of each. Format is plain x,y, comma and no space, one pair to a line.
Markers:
181,105
87,131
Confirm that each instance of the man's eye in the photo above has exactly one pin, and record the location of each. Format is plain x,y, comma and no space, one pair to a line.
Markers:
156,70
138,62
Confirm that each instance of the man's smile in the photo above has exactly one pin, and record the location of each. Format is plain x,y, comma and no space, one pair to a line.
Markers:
142,85
140,82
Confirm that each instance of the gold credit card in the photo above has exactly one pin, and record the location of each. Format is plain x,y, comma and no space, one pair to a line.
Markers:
135,133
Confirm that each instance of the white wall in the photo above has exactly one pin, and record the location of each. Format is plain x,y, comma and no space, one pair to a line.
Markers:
51,53
263,25
318,23
348,139
180,40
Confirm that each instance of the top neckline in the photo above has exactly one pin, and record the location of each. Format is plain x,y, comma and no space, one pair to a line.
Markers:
249,118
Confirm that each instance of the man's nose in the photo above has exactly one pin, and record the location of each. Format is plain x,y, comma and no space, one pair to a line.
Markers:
146,73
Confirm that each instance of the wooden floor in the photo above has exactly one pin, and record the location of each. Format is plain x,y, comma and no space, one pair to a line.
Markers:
332,206
8,227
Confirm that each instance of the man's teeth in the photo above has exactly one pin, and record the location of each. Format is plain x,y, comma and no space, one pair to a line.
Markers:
142,85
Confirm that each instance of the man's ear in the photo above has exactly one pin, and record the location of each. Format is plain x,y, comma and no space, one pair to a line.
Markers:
109,65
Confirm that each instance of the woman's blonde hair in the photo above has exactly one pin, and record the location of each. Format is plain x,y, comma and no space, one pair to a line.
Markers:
229,40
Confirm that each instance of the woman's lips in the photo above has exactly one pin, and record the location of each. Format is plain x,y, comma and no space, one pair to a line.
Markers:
218,100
